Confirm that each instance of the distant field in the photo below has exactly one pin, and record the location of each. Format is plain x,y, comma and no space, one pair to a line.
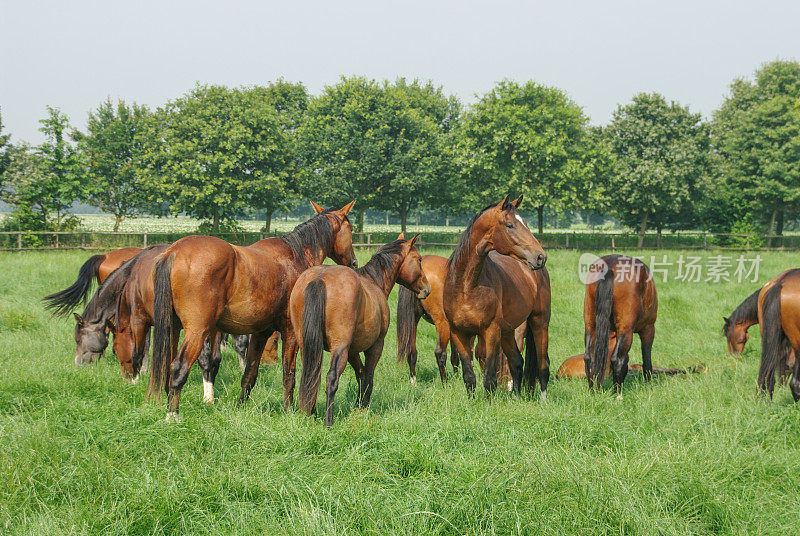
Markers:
81,452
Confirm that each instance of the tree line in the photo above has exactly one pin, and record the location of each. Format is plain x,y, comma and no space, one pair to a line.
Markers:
219,153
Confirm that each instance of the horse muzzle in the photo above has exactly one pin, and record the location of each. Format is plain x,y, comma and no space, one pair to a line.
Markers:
424,292
536,261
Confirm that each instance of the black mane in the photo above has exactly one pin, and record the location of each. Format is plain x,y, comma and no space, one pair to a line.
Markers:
747,310
463,242
316,231
380,263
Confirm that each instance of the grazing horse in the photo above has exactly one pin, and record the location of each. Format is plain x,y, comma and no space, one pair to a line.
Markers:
409,311
204,285
98,267
493,280
622,300
736,326
779,319
346,312
268,357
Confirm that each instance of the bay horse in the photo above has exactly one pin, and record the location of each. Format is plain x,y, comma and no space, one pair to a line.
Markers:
779,319
346,312
741,319
411,309
493,280
204,285
97,267
622,300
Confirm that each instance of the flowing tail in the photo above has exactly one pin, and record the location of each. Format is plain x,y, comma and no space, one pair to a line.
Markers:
407,320
603,306
64,301
313,344
531,365
163,320
773,339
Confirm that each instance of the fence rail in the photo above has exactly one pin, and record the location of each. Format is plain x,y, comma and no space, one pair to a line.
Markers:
598,241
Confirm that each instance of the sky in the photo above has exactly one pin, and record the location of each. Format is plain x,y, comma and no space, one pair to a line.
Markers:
75,54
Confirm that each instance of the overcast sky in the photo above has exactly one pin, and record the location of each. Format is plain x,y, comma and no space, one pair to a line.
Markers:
75,54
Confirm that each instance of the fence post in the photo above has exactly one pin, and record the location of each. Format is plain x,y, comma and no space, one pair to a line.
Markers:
613,247
369,239
56,240
705,240
567,246
19,241
144,240
83,240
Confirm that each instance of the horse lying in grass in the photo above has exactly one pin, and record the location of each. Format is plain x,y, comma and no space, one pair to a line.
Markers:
97,267
346,312
779,319
494,277
411,309
621,300
205,285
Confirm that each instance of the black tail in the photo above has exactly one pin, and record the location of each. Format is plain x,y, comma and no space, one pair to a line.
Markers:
773,339
64,301
163,319
531,365
603,308
407,320
313,343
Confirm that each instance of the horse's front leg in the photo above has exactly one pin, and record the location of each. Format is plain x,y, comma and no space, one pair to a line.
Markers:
253,360
460,343
489,345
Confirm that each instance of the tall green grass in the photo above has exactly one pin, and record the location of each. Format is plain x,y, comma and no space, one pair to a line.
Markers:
82,453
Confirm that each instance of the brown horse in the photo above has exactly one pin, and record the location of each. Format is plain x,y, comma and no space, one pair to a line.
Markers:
409,311
98,267
205,285
741,319
493,280
622,301
779,319
346,312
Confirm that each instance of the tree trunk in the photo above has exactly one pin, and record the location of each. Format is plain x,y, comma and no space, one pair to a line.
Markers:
215,222
447,221
268,221
360,220
658,238
540,218
642,230
771,227
403,220
117,220
387,218
779,228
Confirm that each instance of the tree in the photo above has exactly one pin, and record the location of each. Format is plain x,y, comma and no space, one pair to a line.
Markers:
662,157
5,150
344,138
529,139
110,149
208,152
278,187
756,133
61,172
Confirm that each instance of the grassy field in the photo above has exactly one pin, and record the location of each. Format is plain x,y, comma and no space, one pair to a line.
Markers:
82,453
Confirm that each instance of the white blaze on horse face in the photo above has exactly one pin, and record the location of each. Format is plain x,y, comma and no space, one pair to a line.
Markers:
522,221
208,392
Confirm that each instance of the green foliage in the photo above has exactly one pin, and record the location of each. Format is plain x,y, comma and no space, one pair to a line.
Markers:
661,155
746,226
528,139
225,226
5,151
757,135
214,152
111,148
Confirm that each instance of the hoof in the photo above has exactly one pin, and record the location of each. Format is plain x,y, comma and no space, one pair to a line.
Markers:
208,399
413,380
173,416
510,385
135,380
543,396
208,392
619,396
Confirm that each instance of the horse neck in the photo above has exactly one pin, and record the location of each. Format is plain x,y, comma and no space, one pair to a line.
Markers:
103,304
468,266
747,313
387,276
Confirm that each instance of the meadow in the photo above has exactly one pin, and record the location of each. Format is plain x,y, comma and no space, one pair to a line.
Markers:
82,452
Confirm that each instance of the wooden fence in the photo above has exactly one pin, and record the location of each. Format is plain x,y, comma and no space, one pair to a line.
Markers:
593,241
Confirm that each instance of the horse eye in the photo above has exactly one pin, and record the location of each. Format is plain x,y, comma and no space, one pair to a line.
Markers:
510,225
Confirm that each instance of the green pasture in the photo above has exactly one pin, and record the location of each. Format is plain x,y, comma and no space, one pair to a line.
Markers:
81,452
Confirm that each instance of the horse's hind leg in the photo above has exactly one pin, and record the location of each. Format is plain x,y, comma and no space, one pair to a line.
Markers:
339,358
540,330
212,366
489,344
253,360
371,357
442,340
646,336
514,359
619,359
358,368
179,369
794,383
462,347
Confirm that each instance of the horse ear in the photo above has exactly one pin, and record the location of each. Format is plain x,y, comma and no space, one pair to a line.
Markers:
726,319
517,201
345,210
78,318
110,326
503,205
318,209
401,236
413,240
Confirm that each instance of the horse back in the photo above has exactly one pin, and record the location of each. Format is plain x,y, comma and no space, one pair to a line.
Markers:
113,260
